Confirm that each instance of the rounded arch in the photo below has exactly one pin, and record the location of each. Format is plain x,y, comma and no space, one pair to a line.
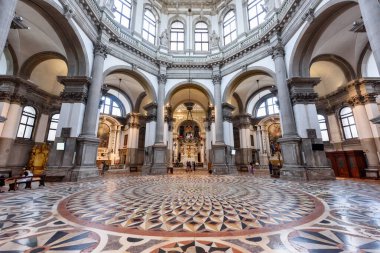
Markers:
124,99
194,85
241,76
76,55
303,49
223,13
28,66
253,96
201,19
176,128
10,55
140,77
347,69
153,9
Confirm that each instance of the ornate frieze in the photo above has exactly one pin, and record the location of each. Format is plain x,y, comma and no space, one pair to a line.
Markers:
302,90
277,51
227,112
216,79
243,121
101,49
151,110
162,79
76,89
133,120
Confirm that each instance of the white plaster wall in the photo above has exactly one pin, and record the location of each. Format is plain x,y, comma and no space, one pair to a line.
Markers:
266,62
150,132
371,70
228,133
139,16
42,128
112,61
4,108
171,83
11,125
362,122
3,65
71,115
334,129
227,79
213,133
152,79
89,46
306,118
290,47
166,133
373,112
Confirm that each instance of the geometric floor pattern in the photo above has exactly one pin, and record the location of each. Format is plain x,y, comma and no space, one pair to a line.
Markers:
190,213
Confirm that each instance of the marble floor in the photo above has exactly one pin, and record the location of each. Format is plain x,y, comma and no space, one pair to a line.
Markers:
192,213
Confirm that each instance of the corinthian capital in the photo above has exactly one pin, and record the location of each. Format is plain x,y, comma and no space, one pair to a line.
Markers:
277,51
216,79
162,78
101,49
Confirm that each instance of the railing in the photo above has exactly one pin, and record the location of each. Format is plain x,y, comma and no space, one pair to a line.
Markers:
253,37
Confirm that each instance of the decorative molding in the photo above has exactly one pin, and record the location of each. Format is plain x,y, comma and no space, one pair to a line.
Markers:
162,79
309,16
216,79
277,51
76,89
101,49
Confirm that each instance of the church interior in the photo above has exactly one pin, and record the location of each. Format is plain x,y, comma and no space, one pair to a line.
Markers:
161,126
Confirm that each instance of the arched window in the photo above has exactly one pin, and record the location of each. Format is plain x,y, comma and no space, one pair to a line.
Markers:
201,37
28,118
53,127
177,36
111,106
123,12
323,127
348,123
149,27
256,13
268,107
229,27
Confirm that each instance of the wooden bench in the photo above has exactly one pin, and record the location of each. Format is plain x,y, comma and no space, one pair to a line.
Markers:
14,182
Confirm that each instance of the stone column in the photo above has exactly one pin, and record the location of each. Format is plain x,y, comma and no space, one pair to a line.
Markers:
244,123
159,165
7,12
150,134
290,141
133,139
229,136
87,148
169,121
219,148
370,10
365,94
305,112
70,122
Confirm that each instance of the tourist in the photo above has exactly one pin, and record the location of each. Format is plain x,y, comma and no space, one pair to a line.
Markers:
270,165
250,168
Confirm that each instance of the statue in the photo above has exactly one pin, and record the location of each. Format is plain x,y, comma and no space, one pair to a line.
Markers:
214,39
38,158
164,38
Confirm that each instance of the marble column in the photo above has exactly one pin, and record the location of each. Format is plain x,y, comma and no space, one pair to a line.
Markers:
244,123
370,10
87,148
133,139
7,12
290,141
150,135
306,117
160,158
219,148
229,137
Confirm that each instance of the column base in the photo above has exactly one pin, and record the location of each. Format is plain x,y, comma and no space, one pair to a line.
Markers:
85,165
220,164
300,173
372,173
159,165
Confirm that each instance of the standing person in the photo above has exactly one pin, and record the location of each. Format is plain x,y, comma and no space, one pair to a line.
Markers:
193,166
270,168
104,168
209,168
250,168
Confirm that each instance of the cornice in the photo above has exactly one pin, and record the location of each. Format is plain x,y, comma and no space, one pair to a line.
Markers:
248,43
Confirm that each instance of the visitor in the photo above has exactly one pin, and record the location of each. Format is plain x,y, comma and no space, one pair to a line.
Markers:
209,168
270,165
188,166
104,167
250,168
193,165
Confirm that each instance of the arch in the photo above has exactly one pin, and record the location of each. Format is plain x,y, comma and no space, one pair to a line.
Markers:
153,9
32,62
228,8
347,69
239,102
184,85
363,58
13,57
139,76
76,55
253,95
128,99
311,33
241,76
201,19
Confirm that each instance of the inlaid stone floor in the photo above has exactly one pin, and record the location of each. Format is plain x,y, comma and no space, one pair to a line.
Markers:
192,213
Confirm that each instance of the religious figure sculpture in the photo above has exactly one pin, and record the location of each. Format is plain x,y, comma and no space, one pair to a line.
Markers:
38,158
164,38
214,39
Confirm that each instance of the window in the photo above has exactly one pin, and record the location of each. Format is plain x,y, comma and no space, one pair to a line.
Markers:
256,13
268,107
28,118
110,106
53,127
348,123
123,12
177,37
201,37
229,27
323,127
149,27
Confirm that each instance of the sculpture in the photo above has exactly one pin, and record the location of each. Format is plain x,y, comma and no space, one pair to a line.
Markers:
164,38
214,39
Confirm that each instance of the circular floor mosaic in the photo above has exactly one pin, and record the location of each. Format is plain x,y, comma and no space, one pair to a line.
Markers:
191,206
